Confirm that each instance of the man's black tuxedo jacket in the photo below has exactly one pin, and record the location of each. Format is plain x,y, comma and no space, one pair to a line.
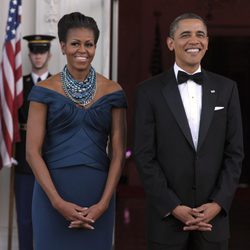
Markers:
172,170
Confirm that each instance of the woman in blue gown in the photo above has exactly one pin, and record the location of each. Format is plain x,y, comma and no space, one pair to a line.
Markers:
74,117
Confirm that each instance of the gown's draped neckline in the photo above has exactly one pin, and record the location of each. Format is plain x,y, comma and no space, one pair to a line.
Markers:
77,135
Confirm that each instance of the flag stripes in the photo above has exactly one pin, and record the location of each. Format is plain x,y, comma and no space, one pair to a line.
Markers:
11,85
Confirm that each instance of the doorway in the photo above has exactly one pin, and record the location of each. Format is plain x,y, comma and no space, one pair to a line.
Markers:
229,56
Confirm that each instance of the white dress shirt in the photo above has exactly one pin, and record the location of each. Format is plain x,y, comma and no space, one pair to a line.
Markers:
191,95
43,76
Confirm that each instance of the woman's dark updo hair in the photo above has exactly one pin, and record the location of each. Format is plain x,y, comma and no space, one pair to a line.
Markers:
76,20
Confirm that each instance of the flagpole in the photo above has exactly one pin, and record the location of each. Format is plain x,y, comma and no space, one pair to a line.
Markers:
11,207
11,201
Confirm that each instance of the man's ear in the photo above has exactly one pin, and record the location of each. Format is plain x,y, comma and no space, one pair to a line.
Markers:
170,43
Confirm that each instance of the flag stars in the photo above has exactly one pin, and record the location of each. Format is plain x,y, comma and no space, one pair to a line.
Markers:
13,19
19,10
12,10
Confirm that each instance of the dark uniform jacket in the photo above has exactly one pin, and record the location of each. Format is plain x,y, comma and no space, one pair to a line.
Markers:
23,166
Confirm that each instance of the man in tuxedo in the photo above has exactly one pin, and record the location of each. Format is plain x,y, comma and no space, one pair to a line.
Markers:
188,146
39,55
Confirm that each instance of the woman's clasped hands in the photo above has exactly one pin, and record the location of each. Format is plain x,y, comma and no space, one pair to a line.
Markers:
88,216
82,220
79,217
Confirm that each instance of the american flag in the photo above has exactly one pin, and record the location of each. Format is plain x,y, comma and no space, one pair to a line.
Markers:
11,85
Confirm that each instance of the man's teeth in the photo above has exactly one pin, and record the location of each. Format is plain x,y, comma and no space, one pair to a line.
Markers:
192,50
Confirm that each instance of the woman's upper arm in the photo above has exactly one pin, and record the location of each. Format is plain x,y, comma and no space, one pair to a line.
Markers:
36,126
119,129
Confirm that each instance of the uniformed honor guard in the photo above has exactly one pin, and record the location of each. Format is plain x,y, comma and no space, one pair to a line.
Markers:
39,55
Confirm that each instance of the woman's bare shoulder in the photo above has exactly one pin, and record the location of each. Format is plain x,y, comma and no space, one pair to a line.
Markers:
107,85
53,82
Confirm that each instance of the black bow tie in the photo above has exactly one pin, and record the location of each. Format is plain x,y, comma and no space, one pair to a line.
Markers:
183,77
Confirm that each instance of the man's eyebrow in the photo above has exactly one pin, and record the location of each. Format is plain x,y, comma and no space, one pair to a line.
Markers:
201,31
185,32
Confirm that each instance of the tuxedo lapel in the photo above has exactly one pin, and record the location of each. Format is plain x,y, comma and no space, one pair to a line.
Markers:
173,98
209,94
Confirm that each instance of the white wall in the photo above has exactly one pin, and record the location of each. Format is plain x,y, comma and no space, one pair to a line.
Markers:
34,21
48,14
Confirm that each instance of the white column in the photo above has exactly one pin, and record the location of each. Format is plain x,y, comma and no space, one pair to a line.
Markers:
115,23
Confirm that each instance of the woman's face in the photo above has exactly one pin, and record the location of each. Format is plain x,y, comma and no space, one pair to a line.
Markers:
79,49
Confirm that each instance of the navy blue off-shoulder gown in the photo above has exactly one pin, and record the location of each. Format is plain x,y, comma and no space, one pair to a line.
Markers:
75,153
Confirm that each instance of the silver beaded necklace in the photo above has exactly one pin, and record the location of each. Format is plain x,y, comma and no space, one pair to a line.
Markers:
80,92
